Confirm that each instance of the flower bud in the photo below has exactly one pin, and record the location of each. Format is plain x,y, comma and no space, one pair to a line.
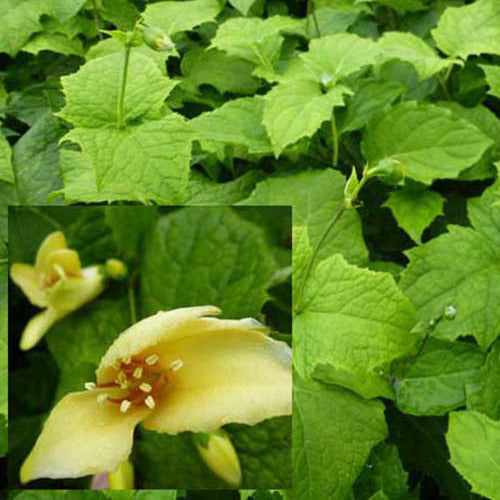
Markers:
219,455
157,39
115,269
351,188
450,312
389,171
123,477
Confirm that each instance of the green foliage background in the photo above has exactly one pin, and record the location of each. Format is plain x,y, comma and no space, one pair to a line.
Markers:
176,257
274,102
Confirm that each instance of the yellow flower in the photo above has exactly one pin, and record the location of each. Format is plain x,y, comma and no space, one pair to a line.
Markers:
57,283
175,371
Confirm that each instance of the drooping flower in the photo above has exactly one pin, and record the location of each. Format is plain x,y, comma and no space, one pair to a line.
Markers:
57,283
176,371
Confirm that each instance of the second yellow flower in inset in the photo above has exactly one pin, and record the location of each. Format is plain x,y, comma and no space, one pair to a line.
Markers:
56,282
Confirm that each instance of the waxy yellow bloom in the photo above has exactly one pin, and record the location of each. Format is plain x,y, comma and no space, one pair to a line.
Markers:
57,283
176,371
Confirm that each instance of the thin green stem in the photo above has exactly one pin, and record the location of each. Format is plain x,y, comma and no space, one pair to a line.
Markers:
97,19
335,140
120,112
320,243
131,300
311,12
3,261
46,217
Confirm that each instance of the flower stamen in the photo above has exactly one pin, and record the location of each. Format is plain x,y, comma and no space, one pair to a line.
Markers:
125,405
150,402
90,386
145,387
151,360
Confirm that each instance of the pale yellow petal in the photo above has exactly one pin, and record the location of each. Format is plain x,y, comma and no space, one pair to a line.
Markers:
66,259
152,331
72,292
81,437
38,326
54,241
225,376
25,276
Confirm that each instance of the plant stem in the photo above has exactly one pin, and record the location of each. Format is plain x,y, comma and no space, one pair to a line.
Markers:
311,12
335,140
443,80
97,18
131,300
322,239
120,113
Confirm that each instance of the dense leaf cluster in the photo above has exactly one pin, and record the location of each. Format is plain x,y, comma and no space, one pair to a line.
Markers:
267,102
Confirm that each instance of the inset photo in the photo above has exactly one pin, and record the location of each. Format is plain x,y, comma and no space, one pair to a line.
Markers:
149,347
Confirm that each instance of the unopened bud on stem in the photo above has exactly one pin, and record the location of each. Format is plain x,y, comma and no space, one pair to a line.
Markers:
219,455
157,39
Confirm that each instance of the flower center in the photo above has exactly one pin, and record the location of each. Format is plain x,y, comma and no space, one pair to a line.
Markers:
139,381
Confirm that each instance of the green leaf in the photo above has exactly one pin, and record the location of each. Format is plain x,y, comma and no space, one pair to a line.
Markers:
383,471
243,6
415,209
80,180
256,40
352,321
434,382
315,197
409,47
482,394
372,97
35,159
239,274
30,104
474,442
472,29
264,451
112,45
429,141
20,18
128,225
64,9
334,57
121,13
296,109
493,78
147,161
333,17
301,257
422,447
154,495
203,191
237,122
173,17
92,92
401,6
6,172
354,426
461,269
214,67
54,42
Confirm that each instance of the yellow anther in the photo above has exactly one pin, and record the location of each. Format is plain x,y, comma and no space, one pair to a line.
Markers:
151,360
150,402
176,365
144,387
138,372
101,398
125,405
89,386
